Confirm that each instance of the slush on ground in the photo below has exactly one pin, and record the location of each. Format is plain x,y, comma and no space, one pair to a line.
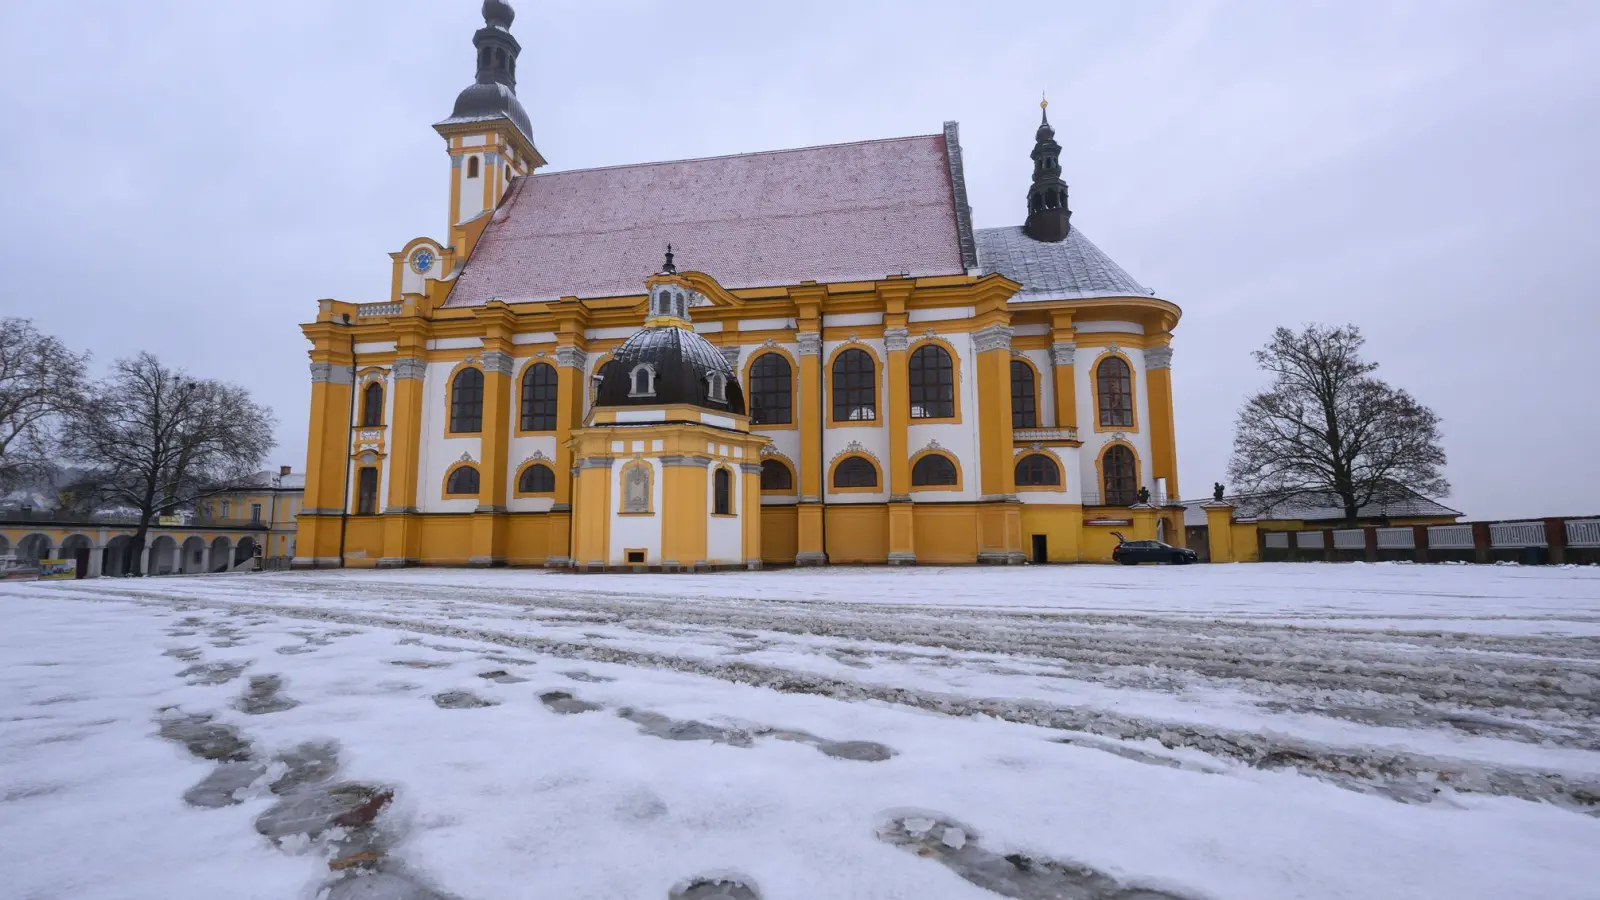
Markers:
1257,732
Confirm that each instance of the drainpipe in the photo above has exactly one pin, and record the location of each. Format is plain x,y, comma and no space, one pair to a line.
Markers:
349,438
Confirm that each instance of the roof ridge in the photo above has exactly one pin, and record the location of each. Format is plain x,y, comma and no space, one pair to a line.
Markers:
753,153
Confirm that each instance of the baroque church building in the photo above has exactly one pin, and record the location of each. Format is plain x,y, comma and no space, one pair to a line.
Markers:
804,356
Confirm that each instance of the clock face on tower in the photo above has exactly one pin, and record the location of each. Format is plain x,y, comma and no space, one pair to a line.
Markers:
422,261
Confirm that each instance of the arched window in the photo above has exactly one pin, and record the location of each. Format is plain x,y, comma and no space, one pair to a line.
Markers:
1038,470
1024,396
642,381
483,58
539,398
722,492
855,387
776,477
463,482
771,390
466,402
1121,476
367,492
1114,381
855,472
933,383
537,479
934,470
472,167
372,406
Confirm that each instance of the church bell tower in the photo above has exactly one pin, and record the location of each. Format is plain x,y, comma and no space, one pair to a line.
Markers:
489,134
1049,219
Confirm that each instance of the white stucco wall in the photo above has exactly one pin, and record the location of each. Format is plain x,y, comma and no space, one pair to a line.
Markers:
724,535
438,452
873,439
1088,415
635,532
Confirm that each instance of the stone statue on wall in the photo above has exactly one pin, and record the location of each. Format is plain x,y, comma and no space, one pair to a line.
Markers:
1217,491
1144,496
636,491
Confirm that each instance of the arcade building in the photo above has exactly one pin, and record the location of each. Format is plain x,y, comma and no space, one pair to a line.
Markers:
795,357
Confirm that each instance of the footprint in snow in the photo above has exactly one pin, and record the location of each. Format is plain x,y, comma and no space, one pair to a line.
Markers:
587,678
501,676
957,847
715,887
566,704
461,700
263,697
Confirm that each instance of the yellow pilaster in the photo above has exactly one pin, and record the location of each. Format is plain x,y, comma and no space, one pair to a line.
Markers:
682,512
400,526
591,512
489,522
1000,518
571,361
327,445
902,546
1063,353
1144,522
750,509
1219,531
809,524
1163,437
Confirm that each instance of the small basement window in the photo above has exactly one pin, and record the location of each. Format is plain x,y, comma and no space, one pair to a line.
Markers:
635,557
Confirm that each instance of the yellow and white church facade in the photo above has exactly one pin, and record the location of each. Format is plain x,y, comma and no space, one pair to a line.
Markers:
829,365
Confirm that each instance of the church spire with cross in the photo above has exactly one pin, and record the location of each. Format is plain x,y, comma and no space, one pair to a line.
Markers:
1049,218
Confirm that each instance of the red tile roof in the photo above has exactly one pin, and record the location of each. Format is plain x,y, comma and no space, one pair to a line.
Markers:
844,212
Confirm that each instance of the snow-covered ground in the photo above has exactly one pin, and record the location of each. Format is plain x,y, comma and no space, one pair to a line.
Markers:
1224,732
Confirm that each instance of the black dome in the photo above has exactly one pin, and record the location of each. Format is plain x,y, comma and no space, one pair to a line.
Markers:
682,361
491,101
498,12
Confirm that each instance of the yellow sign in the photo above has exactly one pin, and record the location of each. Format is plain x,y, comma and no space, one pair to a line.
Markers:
168,521
58,569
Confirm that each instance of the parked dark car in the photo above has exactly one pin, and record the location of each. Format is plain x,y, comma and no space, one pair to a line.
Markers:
1131,553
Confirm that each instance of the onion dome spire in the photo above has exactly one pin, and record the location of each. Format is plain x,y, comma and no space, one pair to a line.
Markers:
1049,218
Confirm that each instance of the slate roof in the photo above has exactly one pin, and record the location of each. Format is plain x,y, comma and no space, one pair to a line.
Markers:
1074,269
843,212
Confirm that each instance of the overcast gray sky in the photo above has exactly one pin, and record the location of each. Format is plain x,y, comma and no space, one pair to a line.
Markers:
190,177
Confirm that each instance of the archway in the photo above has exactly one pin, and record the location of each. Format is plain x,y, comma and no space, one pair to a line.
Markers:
221,554
5,546
33,548
245,550
193,556
80,550
163,556
117,560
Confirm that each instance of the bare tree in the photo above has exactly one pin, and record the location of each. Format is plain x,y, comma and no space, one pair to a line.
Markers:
40,381
1328,428
156,441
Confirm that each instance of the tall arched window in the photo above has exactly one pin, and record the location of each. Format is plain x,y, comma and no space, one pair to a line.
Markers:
855,387
1121,476
934,470
372,406
1114,381
1024,396
1038,470
539,398
771,390
855,472
466,402
537,479
472,167
463,482
367,491
933,383
776,477
722,491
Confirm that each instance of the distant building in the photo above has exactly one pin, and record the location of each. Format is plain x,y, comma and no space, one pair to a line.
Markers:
250,528
871,378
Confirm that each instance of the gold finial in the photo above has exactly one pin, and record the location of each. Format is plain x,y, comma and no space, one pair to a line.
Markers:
1044,100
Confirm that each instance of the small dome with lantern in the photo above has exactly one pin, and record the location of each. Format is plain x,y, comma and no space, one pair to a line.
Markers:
666,362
